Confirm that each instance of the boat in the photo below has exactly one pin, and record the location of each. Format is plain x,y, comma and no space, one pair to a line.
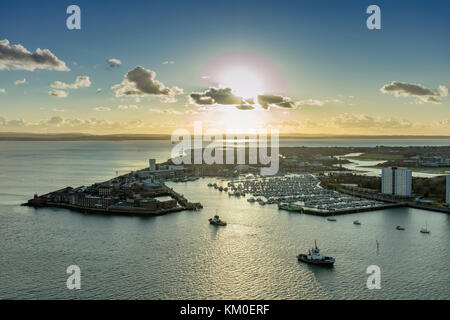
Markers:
331,219
399,228
251,200
357,222
315,257
290,207
425,230
216,221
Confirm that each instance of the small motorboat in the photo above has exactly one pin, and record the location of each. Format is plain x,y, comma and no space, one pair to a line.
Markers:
357,222
315,257
399,228
216,221
331,219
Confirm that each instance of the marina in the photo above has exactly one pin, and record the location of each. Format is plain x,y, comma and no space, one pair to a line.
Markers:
299,193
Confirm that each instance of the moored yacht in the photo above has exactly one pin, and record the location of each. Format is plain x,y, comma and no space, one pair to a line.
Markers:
425,230
290,207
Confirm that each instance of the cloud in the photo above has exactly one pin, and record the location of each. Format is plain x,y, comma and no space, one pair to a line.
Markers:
167,111
101,109
80,81
225,96
125,107
12,123
214,96
316,102
70,124
2,90
245,107
169,62
114,63
17,57
17,82
141,82
411,90
445,91
272,100
347,120
58,93
57,120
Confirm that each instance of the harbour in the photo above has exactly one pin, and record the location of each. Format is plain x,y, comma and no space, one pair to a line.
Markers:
179,255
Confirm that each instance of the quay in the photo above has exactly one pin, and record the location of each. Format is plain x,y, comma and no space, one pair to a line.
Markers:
141,193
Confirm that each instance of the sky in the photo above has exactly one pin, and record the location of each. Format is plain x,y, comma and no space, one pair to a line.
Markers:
307,67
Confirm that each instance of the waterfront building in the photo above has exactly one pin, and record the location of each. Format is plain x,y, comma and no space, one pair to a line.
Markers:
447,190
396,181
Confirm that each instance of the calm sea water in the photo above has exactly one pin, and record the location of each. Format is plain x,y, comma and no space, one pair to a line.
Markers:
180,255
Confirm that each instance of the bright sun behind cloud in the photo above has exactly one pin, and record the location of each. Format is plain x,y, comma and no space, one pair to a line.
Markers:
244,82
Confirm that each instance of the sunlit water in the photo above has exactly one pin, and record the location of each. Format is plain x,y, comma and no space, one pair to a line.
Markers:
180,255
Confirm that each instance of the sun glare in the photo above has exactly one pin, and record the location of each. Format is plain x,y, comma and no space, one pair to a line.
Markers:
243,82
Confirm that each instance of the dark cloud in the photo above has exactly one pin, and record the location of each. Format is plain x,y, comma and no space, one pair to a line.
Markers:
141,82
268,100
215,96
245,107
114,63
17,57
411,90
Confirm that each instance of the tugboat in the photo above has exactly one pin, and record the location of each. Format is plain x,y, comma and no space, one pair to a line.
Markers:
314,257
399,228
357,222
216,221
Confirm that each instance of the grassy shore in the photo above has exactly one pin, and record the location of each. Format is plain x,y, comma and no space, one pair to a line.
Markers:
442,170
377,157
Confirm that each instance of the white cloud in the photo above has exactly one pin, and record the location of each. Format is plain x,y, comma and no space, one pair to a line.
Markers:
114,63
17,82
58,93
102,109
347,120
80,81
127,107
17,57
317,102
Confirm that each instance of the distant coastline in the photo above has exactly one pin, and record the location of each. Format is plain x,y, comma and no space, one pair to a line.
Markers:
16,136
